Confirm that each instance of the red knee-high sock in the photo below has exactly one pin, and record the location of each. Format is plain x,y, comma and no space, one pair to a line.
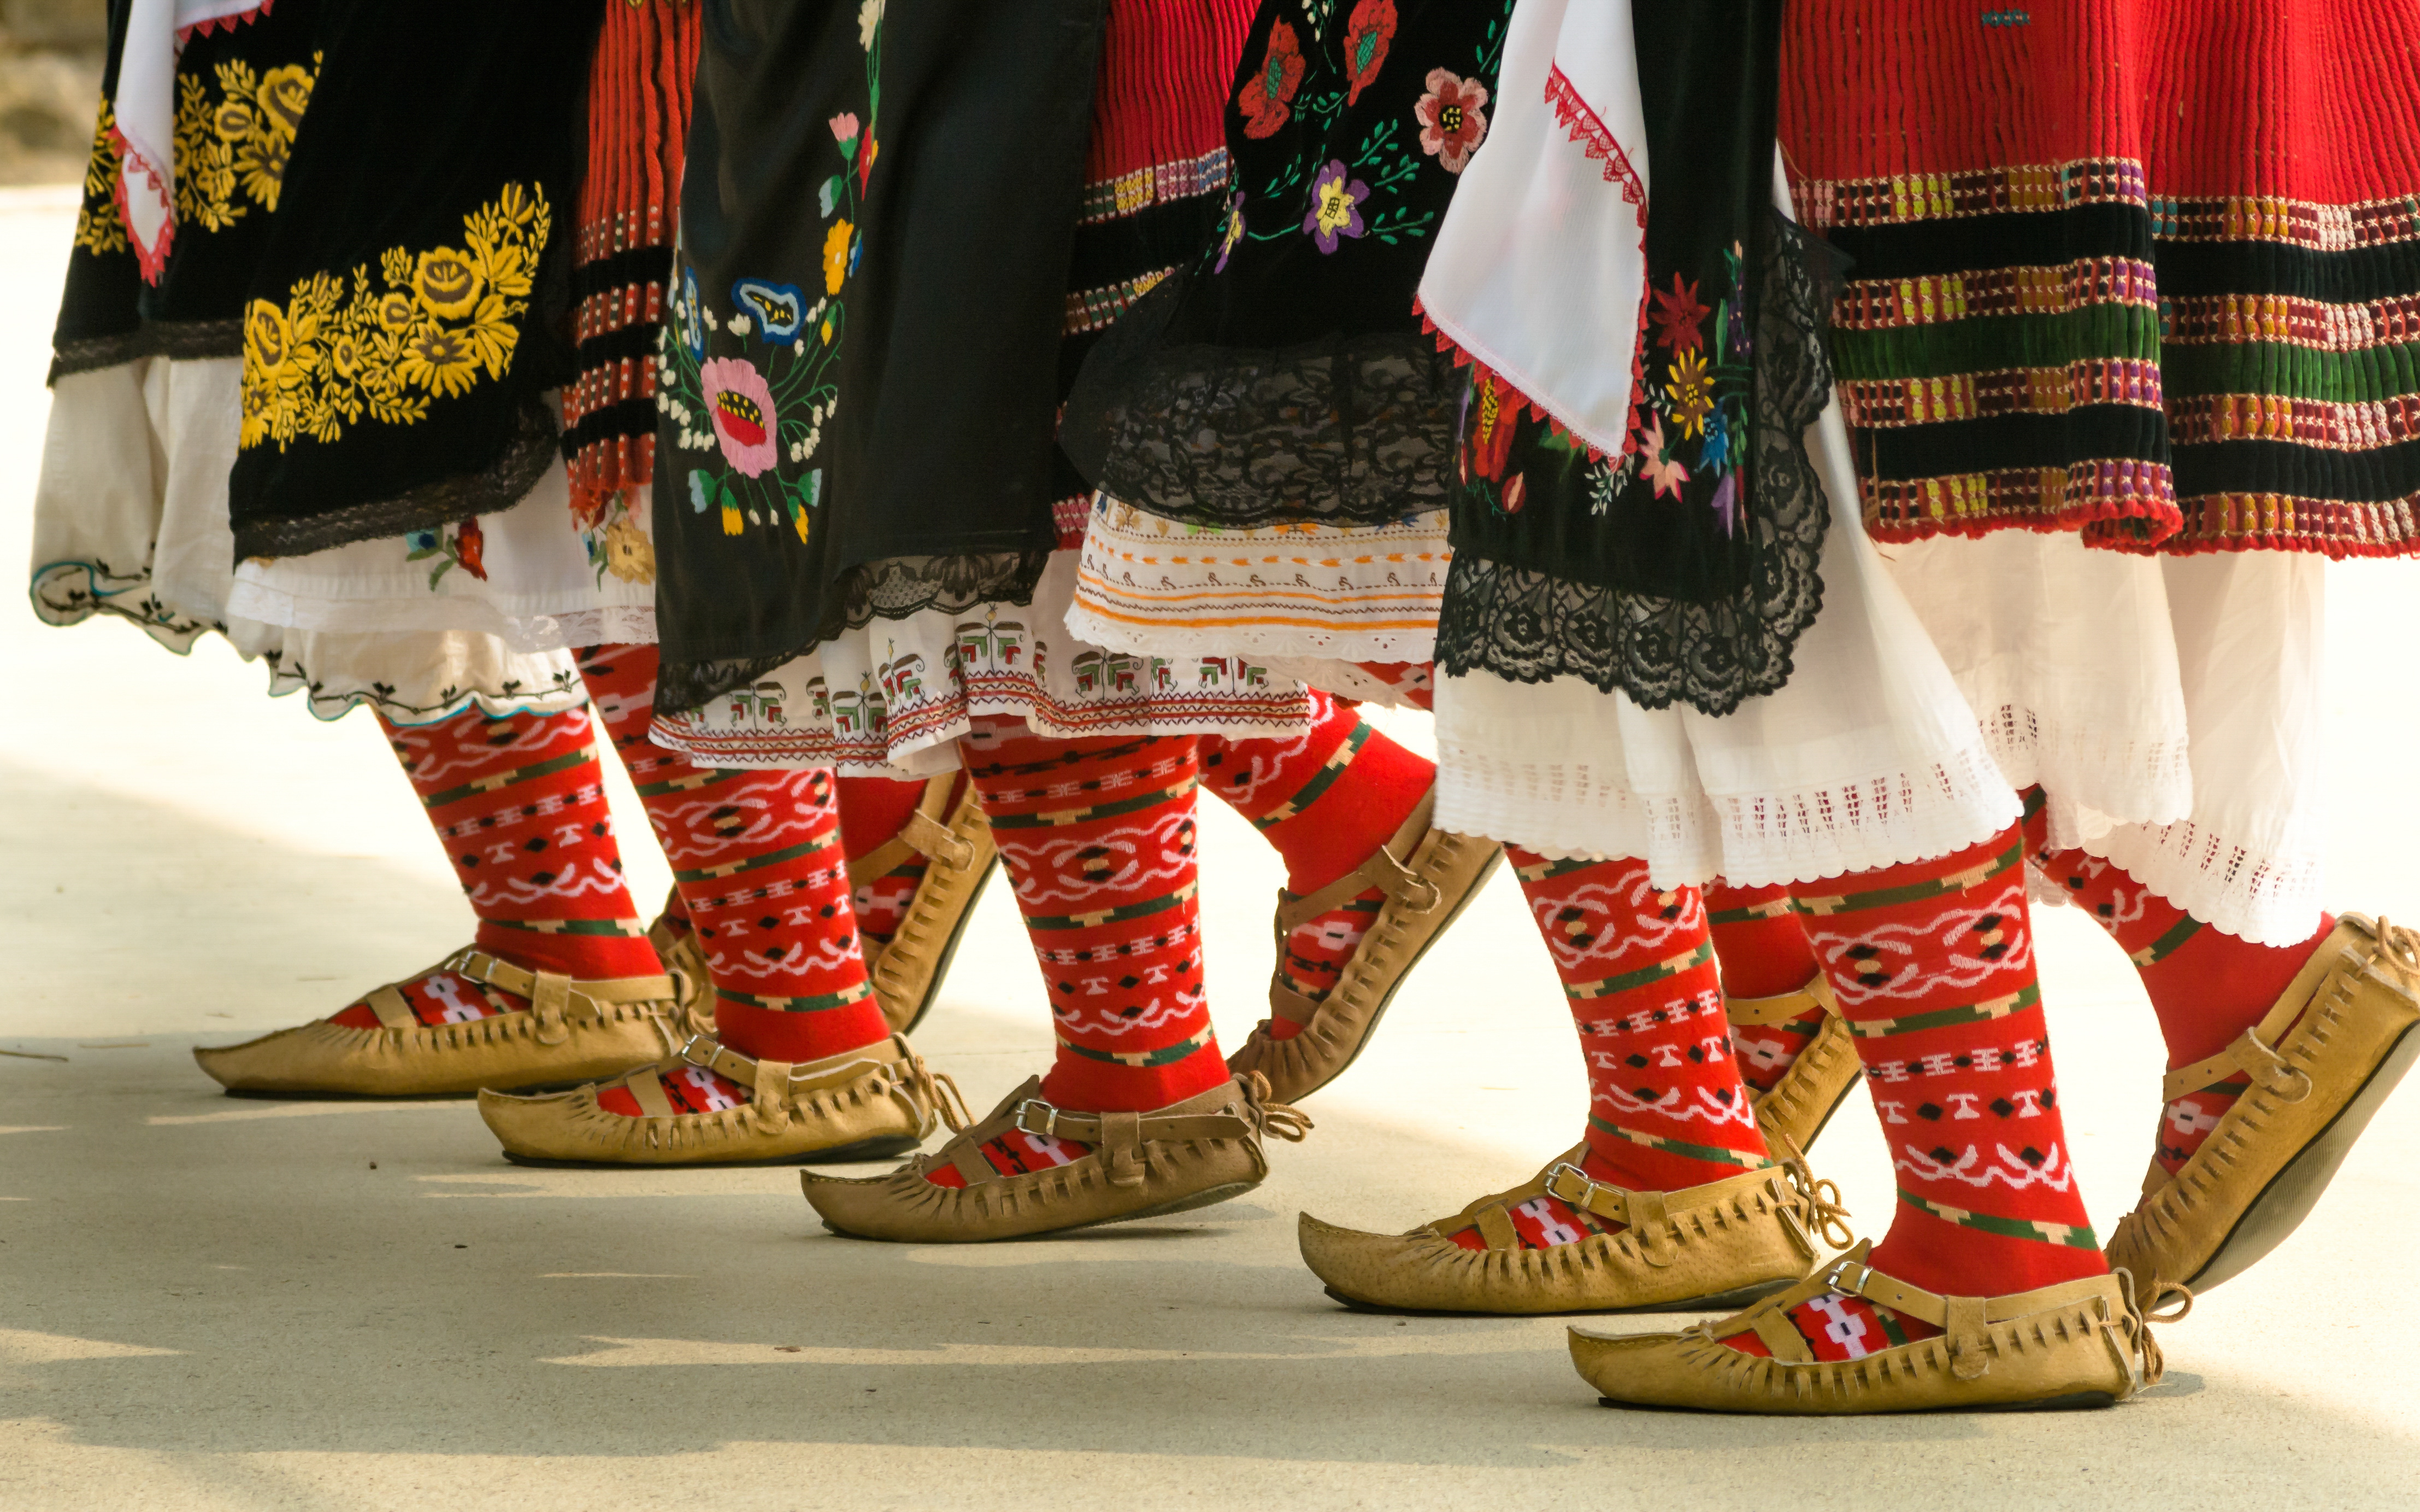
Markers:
2206,985
872,811
1667,1107
756,857
1764,953
1933,968
1327,799
520,804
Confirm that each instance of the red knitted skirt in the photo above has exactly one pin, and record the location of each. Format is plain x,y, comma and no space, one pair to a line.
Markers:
2145,268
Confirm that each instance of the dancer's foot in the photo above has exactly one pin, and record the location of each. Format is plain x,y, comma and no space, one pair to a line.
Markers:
915,888
1798,1057
1098,1169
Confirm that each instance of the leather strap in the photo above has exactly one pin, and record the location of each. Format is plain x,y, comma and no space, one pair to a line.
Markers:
647,1088
1783,1007
1496,1226
2246,1054
1388,869
547,988
393,1012
927,834
1292,1006
1035,1117
780,1079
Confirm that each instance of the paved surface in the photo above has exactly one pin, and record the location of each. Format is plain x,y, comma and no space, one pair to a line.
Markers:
211,1303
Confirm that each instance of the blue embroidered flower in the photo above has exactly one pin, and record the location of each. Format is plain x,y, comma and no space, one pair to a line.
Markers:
420,542
689,317
1716,455
698,499
779,309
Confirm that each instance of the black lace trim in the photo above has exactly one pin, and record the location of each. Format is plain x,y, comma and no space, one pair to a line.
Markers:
1528,625
895,587
180,340
1349,430
499,485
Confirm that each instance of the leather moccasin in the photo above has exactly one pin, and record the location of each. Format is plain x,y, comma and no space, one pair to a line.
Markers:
1429,875
684,960
865,1104
956,840
1171,1160
2072,1345
1820,1080
573,1031
2321,1062
1716,1245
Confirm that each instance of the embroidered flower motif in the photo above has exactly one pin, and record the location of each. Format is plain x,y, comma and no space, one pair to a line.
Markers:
836,258
1692,392
741,404
1367,36
1661,470
446,284
471,548
1725,504
1677,317
688,320
780,308
1266,98
1488,428
285,94
1336,199
1714,454
1235,233
699,494
439,360
869,21
845,129
628,554
1453,118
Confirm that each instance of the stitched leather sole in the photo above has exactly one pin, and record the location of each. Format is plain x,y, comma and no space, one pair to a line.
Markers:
1207,1197
1721,1302
886,1148
2072,1402
1478,886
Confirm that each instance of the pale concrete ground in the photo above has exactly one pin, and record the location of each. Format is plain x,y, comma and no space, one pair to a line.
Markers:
211,1303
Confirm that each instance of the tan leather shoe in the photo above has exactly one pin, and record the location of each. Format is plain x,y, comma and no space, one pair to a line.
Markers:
1171,1160
1820,1080
956,840
684,960
2073,1344
1716,1245
865,1104
2315,1087
1429,876
573,1031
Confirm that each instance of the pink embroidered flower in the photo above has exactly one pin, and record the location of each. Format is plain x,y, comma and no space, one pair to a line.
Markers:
845,129
742,406
1266,98
1453,118
1661,471
1367,36
1336,199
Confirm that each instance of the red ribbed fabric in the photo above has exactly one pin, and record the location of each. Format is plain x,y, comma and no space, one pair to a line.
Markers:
638,127
1165,68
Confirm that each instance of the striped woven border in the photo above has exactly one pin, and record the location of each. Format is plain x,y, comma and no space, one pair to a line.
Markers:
2077,1237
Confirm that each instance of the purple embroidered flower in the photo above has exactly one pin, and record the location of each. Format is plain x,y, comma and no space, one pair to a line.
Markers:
1725,504
1235,233
1336,199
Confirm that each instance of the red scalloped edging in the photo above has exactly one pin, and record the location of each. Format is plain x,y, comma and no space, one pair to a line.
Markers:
1518,396
153,261
1589,129
223,23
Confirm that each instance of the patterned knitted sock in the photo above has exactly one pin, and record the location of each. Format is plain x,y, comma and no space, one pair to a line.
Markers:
1763,952
756,855
1327,799
1098,840
2206,985
1933,966
1414,682
872,811
520,804
1667,1107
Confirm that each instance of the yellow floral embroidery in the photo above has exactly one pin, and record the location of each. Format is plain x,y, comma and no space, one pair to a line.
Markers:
236,143
100,229
340,349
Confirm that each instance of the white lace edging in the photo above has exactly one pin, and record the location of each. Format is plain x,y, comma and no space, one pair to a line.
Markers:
608,624
1572,809
2266,899
2095,780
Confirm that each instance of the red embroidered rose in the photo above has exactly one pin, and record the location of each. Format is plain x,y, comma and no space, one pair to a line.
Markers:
472,544
1367,36
1266,98
1453,118
1677,316
1487,426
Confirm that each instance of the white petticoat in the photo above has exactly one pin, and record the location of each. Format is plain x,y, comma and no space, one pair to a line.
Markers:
131,520
2170,707
893,696
1310,601
1867,757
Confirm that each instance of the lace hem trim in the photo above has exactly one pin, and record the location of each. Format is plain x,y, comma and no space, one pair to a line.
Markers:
177,340
2271,898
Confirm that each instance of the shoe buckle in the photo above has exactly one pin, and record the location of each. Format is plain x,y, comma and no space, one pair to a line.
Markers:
1841,1267
1049,1126
1579,1187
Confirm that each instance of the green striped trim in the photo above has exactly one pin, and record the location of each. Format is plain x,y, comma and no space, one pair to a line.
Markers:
2166,945
2189,370
1581,991
2079,1236
1954,346
678,784
1889,1321
1141,1059
1974,876
1548,870
844,998
1781,907
757,863
619,928
1713,1155
1061,818
1941,1018
1114,916
498,781
1321,781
